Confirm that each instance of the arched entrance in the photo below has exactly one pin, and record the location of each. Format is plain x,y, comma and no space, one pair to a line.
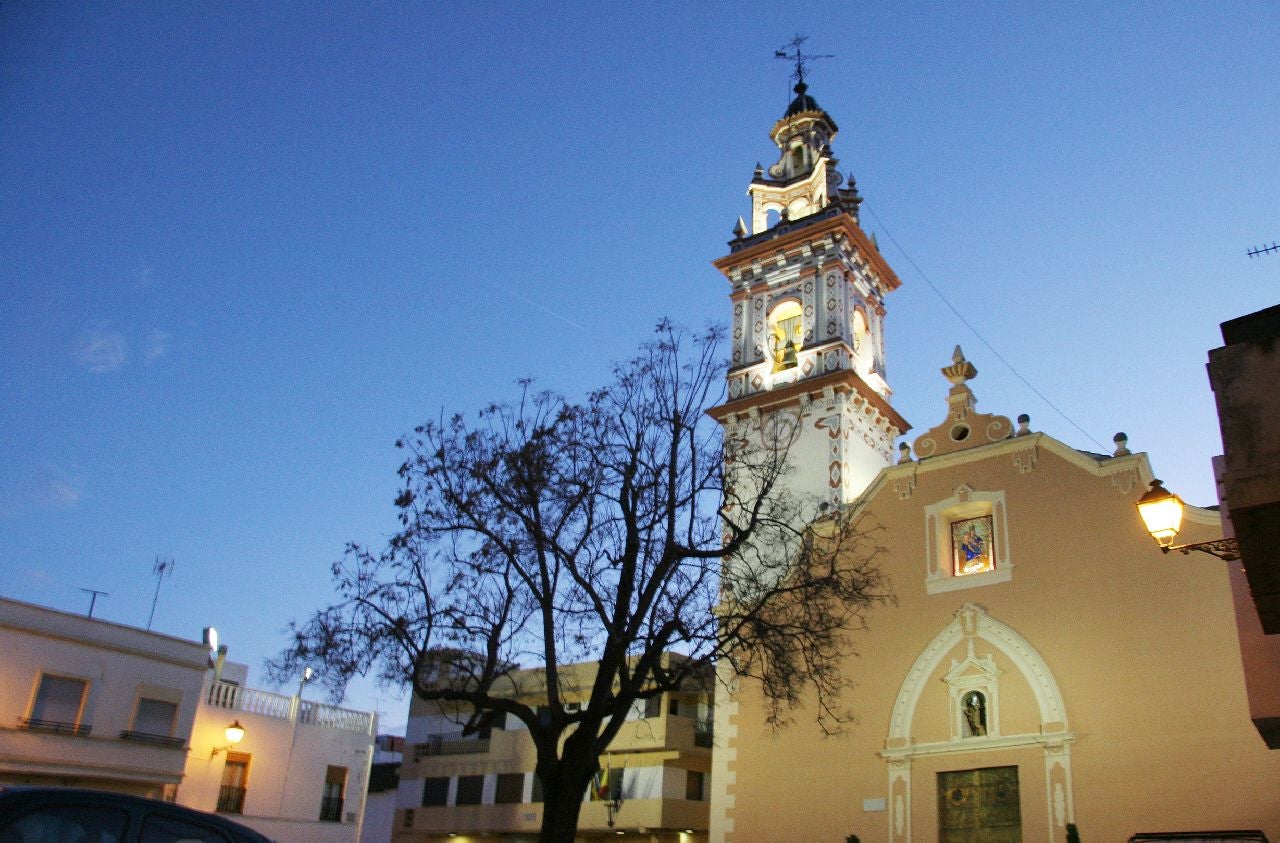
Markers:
977,801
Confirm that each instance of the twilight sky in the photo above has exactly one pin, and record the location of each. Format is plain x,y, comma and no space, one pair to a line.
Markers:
243,247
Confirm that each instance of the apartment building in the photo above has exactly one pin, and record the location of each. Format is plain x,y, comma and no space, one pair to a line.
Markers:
481,787
89,703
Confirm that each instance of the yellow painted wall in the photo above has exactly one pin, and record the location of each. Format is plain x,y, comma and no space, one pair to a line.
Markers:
1142,647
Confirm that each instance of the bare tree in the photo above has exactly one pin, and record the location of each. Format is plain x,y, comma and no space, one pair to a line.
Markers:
617,530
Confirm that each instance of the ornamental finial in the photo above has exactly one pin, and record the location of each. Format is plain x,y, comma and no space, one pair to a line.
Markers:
960,370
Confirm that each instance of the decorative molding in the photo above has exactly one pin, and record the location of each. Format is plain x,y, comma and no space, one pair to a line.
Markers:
1026,459
971,620
971,623
1126,480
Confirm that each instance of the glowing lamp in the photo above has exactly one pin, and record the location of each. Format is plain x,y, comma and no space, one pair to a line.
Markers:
233,733
1161,511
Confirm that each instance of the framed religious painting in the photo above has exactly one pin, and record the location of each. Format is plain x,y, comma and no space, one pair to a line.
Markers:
972,546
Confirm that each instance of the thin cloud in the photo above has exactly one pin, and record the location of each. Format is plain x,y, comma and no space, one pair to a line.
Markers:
100,349
146,276
45,487
62,494
157,345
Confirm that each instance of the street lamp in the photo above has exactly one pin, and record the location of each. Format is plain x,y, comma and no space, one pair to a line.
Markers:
233,733
1161,511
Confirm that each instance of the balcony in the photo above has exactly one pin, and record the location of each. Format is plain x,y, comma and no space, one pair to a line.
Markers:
331,809
278,706
57,727
154,740
230,800
450,743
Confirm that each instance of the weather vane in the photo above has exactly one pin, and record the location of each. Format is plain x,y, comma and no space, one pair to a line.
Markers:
798,57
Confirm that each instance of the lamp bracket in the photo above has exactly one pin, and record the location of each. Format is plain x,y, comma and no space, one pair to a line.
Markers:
1227,550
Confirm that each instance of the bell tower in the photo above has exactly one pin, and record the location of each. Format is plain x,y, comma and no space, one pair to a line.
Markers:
807,287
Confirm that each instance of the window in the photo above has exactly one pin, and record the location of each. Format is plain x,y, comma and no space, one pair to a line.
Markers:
235,781
59,705
155,717
158,829
653,707
66,822
693,786
967,541
510,789
785,334
536,792
335,782
153,723
470,790
435,791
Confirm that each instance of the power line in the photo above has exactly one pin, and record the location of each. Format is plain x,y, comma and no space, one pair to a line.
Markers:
979,335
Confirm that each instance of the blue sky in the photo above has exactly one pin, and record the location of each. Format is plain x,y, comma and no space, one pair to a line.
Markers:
243,247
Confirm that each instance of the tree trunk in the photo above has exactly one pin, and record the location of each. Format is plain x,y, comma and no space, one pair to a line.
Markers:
563,788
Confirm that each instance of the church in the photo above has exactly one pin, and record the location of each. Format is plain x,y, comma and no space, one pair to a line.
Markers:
1044,672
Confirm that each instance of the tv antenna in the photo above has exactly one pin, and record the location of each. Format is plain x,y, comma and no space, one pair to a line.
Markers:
801,59
1262,250
93,599
163,568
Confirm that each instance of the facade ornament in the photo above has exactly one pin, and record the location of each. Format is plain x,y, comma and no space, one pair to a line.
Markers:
964,427
1122,445
904,453
1024,425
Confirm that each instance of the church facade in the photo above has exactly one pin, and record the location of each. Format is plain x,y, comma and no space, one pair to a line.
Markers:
1043,667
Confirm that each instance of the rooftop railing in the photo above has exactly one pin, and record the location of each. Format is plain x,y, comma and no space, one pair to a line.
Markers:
450,743
253,701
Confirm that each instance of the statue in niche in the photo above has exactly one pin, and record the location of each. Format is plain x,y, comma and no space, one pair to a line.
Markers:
974,706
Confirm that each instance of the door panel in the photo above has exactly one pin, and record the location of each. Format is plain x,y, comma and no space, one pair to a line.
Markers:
979,806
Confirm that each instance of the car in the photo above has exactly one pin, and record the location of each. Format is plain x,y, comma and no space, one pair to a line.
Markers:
75,815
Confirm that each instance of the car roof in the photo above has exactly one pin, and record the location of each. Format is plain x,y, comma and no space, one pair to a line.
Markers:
18,797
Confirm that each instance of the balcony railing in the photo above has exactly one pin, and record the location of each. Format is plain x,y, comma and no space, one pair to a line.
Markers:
156,740
58,727
450,743
331,809
238,698
230,800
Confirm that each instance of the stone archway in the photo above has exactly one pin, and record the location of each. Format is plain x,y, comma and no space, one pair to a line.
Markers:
970,624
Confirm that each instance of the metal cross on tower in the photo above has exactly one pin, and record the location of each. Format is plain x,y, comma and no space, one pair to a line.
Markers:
798,57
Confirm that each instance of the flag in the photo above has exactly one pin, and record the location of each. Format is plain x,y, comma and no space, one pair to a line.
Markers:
600,784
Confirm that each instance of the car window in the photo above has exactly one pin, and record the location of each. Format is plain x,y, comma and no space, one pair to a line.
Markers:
65,824
161,829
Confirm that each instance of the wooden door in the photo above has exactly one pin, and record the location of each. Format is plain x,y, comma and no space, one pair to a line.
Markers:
979,806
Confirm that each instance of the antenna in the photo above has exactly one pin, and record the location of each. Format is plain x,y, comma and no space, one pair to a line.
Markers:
802,60
94,599
1262,250
163,568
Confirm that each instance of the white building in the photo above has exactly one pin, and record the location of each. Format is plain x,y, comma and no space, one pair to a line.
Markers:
297,775
89,703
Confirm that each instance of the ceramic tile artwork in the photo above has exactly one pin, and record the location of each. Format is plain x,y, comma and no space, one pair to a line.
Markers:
972,546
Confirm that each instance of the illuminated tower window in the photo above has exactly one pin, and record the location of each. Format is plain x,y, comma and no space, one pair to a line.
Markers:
786,334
